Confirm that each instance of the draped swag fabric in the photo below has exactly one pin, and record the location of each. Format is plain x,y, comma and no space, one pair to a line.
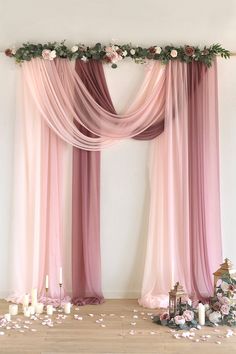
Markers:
177,106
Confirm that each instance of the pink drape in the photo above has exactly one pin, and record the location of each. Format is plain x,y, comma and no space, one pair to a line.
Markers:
204,186
184,241
64,103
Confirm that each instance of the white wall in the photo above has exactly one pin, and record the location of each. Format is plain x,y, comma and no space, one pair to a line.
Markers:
124,167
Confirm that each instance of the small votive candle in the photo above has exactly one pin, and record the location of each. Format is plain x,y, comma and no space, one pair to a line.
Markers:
32,310
26,300
49,310
39,308
7,316
13,309
67,308
27,312
201,314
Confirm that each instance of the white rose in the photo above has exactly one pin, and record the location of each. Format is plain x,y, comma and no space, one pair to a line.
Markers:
13,50
132,51
174,53
84,58
74,48
52,55
224,286
158,50
214,317
124,53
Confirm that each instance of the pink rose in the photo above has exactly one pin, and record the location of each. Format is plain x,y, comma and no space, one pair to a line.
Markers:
214,317
174,53
46,54
164,316
179,320
188,315
225,309
218,283
225,286
224,300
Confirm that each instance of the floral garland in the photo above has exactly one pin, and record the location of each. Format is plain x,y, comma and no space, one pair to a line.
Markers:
114,53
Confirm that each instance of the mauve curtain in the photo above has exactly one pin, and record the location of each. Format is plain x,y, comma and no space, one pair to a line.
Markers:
204,186
86,258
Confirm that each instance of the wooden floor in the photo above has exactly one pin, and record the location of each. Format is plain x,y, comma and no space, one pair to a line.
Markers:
117,326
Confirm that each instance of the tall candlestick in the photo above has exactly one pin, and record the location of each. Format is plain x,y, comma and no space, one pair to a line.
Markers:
60,276
201,314
46,282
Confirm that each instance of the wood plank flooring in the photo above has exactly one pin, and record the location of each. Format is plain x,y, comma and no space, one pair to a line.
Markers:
115,327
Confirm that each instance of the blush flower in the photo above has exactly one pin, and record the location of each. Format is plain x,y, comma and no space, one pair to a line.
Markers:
158,50
225,309
164,316
179,320
188,315
214,317
225,286
74,48
224,300
48,54
174,53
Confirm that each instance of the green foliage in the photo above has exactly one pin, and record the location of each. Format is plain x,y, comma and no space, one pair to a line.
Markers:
187,54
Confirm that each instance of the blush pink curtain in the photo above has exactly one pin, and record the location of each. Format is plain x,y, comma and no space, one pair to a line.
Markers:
184,239
64,103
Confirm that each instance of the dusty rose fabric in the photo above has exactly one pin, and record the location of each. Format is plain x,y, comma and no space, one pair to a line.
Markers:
62,102
86,257
204,186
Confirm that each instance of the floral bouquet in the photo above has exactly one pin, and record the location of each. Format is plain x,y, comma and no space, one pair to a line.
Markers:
186,320
222,308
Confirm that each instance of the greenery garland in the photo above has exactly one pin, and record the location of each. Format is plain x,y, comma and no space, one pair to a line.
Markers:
114,53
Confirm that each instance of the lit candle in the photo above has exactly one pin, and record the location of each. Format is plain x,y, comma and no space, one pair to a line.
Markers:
67,308
201,314
13,309
60,276
27,312
26,300
39,308
7,316
46,282
34,297
49,309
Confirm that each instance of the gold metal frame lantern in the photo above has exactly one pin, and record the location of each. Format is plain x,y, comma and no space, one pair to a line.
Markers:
226,269
177,297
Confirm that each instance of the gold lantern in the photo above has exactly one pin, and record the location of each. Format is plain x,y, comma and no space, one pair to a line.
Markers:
177,297
225,270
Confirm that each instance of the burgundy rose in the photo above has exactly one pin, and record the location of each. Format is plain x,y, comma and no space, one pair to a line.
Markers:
164,316
152,50
107,59
189,51
8,52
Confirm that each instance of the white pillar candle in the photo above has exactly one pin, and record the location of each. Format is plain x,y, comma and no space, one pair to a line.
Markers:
13,309
67,308
32,310
46,282
60,276
26,300
34,297
201,314
39,308
27,312
49,310
7,316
